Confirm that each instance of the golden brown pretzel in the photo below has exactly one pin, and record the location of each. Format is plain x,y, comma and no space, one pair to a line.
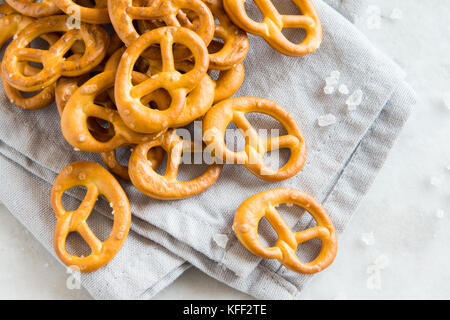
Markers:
263,204
198,101
233,110
38,101
128,97
11,23
33,8
53,61
96,15
98,181
166,187
6,9
81,107
235,41
123,12
273,23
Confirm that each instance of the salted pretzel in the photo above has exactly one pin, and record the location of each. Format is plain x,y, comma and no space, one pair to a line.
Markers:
81,106
40,100
98,181
123,12
54,64
264,204
6,9
128,97
98,14
34,8
198,101
273,23
11,23
235,44
233,110
229,82
166,187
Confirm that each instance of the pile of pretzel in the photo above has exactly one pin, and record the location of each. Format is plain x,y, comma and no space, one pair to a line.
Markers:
133,83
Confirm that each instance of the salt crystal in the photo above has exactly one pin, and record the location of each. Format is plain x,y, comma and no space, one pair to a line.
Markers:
343,89
440,213
326,120
81,176
111,204
89,89
76,149
396,14
112,212
374,17
447,100
382,261
289,204
221,240
81,138
373,9
435,181
354,99
328,90
119,235
368,238
374,281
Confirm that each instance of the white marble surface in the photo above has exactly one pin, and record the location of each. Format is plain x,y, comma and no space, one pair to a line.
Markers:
401,207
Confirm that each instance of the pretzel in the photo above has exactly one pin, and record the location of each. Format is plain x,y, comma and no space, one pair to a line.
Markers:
81,107
198,101
235,44
6,9
166,187
38,101
128,97
273,23
53,61
264,204
33,8
229,82
123,12
43,98
233,110
11,23
98,181
98,14
154,157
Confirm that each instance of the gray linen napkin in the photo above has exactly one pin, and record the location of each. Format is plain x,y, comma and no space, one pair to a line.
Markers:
342,161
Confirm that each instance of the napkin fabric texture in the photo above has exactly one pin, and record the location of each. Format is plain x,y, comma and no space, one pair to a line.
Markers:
168,237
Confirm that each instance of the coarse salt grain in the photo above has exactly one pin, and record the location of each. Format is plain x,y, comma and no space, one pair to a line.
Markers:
354,100
343,89
440,213
382,261
326,120
221,240
368,238
328,90
446,98
396,14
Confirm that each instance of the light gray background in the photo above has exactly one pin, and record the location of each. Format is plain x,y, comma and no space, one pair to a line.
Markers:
400,208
